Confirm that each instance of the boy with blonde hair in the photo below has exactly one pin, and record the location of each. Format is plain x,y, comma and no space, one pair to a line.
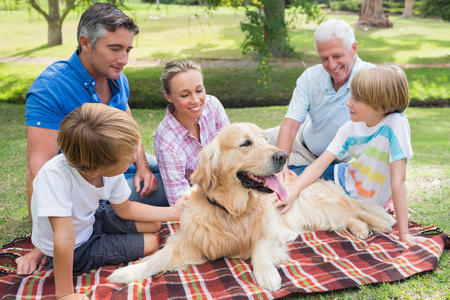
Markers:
98,143
377,138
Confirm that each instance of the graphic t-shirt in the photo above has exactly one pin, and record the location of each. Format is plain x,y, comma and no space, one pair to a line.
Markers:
366,177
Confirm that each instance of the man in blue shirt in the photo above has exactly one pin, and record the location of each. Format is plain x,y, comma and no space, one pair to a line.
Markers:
93,74
321,94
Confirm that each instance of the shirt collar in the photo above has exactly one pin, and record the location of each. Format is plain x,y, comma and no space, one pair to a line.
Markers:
176,125
173,123
83,75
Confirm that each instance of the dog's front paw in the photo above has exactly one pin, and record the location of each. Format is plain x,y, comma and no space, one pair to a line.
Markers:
360,229
125,275
269,279
289,235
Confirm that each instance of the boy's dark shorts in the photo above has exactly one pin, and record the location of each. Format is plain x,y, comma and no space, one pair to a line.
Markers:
113,241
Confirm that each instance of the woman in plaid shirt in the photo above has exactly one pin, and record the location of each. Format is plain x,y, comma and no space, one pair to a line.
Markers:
192,120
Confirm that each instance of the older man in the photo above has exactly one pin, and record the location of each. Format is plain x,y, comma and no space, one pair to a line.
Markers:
318,105
92,74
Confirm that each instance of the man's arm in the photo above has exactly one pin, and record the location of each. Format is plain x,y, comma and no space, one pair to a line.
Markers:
143,172
41,147
286,136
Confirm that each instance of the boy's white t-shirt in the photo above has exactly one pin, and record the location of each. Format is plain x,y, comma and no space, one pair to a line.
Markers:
366,177
60,191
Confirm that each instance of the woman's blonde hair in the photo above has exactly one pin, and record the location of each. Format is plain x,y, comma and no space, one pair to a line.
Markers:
96,135
385,88
174,67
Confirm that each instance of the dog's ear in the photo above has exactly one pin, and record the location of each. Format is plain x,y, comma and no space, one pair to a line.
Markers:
206,173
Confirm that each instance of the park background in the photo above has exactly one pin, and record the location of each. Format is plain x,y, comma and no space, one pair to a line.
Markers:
213,38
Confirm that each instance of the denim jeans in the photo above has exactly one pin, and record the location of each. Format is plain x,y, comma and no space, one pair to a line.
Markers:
158,197
328,174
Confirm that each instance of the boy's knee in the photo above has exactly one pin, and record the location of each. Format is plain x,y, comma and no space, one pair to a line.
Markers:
151,243
148,227
157,226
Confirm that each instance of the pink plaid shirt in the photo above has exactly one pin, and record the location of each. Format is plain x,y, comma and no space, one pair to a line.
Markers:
176,148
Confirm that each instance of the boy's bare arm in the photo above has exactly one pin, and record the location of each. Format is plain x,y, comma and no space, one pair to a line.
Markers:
399,197
309,175
64,243
131,210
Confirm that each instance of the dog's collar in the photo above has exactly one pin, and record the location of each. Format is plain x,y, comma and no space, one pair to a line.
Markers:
215,203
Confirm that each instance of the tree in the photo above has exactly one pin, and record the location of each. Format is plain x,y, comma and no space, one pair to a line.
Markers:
371,14
408,11
54,19
439,8
265,30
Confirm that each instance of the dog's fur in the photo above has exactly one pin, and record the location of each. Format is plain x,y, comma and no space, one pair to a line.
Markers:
230,212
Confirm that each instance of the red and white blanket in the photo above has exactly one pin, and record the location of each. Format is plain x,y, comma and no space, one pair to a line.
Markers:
319,261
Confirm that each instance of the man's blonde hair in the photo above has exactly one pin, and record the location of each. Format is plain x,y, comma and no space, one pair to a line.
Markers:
384,88
96,135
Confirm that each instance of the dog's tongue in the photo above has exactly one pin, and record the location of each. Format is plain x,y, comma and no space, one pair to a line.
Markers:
275,185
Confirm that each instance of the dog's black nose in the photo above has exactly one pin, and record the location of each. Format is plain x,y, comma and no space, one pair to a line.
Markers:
279,158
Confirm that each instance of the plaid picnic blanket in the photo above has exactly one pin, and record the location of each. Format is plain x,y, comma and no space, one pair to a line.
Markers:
319,261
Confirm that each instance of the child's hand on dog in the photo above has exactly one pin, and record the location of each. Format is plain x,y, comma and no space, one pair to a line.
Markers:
179,206
284,174
287,203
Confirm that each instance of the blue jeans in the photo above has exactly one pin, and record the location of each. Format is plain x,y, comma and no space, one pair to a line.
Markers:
158,197
328,174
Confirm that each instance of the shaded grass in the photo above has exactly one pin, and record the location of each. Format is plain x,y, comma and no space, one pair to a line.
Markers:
234,86
427,183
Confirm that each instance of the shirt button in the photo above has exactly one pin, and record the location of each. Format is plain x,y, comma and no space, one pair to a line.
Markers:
38,123
85,84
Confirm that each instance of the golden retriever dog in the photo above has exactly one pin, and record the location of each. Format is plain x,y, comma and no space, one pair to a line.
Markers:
230,211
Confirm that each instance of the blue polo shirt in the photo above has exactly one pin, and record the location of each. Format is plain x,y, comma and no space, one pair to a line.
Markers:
315,96
64,86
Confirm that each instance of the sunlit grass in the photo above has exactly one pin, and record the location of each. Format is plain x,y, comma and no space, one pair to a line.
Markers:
193,32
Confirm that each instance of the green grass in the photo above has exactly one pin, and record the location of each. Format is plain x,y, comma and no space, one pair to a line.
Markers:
427,183
189,31
235,87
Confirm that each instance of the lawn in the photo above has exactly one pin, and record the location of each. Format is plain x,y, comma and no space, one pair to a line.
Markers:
427,184
192,32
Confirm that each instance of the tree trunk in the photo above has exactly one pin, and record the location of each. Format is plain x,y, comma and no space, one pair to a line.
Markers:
408,11
371,14
275,31
54,24
54,19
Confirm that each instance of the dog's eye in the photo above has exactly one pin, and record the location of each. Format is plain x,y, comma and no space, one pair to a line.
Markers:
246,143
